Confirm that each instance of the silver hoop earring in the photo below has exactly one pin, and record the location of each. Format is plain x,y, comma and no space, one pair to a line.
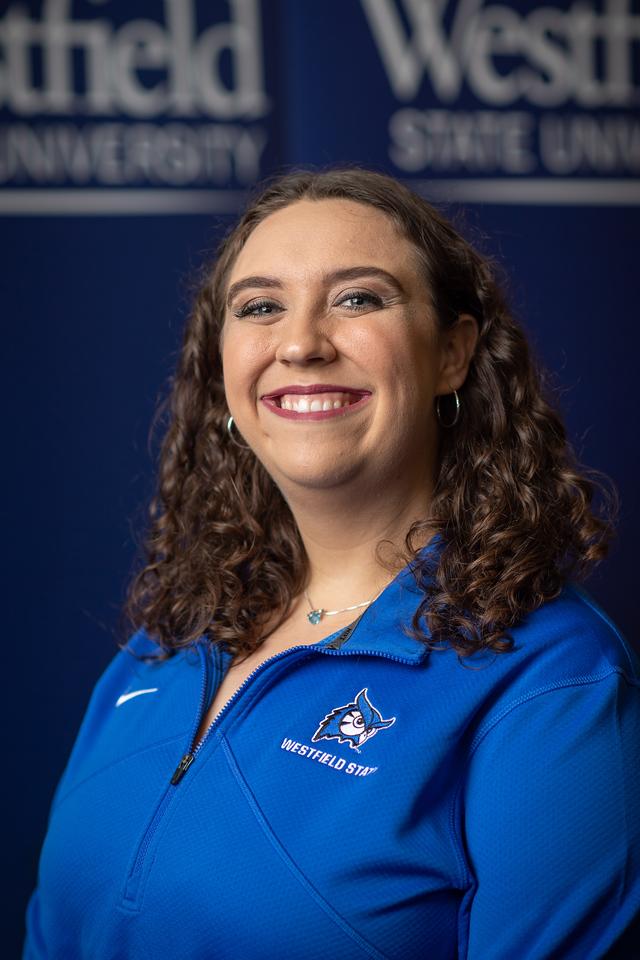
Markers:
457,415
243,446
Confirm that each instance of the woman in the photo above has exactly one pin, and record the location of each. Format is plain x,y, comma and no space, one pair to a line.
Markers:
368,713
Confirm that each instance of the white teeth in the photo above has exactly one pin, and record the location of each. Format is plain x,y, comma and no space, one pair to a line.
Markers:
315,404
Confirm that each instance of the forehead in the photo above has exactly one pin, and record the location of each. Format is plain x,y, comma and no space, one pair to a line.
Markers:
310,236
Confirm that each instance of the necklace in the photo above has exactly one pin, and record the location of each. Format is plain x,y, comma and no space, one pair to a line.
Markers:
316,614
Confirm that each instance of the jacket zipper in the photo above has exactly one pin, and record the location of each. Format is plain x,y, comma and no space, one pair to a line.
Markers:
332,649
190,756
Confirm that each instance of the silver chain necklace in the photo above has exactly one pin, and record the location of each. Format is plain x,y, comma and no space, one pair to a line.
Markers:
316,614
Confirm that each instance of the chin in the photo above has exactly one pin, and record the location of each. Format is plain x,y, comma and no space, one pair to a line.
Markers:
314,475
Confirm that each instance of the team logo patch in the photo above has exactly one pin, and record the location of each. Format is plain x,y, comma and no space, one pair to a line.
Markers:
354,723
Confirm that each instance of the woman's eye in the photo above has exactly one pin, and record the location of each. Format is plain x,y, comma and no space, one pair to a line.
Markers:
257,308
359,300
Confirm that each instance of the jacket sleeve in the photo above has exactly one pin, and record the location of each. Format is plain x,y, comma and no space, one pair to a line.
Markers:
551,814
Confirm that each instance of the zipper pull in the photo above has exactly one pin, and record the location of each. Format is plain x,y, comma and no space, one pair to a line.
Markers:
182,768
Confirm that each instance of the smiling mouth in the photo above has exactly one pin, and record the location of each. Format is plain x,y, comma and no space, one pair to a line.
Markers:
315,406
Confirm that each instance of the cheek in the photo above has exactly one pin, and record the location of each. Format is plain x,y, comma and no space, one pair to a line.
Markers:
244,354
400,353
372,342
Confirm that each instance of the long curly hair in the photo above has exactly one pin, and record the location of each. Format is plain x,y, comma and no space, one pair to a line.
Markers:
514,513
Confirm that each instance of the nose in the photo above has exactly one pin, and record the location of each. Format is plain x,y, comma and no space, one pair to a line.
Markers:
304,339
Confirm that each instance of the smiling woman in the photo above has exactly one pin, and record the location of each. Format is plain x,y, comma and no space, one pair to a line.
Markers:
358,595
294,317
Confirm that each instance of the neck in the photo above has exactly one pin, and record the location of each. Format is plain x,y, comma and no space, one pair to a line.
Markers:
341,528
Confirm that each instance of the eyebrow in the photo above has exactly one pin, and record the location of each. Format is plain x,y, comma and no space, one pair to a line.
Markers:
348,273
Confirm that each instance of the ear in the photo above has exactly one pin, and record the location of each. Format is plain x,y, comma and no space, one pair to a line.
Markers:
457,346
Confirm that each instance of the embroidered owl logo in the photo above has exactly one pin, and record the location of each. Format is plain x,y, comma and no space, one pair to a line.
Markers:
354,723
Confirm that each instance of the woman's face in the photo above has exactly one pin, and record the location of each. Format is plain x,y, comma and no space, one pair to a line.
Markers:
330,351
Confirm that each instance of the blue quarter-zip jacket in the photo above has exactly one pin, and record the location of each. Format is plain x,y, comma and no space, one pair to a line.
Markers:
356,798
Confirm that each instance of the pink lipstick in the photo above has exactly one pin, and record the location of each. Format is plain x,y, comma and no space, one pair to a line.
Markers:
295,401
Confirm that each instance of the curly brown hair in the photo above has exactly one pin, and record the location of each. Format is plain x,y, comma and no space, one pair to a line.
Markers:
513,511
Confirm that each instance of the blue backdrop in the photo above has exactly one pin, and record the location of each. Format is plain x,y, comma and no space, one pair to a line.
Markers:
128,135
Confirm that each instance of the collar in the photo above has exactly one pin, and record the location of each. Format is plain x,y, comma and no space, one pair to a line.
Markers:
380,628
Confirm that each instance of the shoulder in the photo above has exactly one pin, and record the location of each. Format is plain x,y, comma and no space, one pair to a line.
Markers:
136,664
568,650
572,637
140,646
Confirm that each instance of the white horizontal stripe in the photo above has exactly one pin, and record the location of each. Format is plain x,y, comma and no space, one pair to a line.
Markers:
555,191
135,693
79,202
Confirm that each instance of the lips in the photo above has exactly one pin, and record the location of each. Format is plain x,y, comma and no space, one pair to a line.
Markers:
294,402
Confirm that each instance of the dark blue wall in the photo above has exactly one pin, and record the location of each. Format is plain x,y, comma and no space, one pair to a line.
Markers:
114,182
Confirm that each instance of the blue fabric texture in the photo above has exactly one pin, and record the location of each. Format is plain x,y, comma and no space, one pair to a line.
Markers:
370,800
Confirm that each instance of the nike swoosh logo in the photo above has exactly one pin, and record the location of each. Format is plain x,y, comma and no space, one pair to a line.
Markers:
134,693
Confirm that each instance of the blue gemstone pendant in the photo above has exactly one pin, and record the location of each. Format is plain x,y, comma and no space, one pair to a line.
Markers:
315,616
